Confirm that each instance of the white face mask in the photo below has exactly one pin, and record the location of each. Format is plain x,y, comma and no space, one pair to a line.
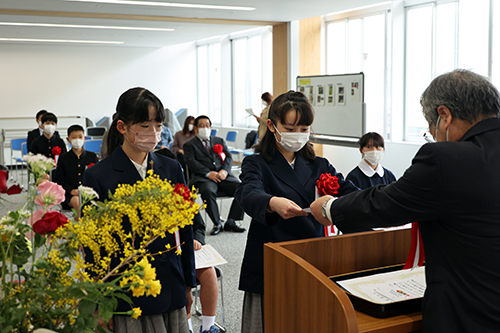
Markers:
293,141
190,127
77,143
204,133
145,141
49,129
373,156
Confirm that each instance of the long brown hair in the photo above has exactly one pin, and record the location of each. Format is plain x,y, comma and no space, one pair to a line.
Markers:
185,129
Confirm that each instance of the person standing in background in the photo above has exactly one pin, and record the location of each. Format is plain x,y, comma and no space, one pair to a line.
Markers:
369,171
267,98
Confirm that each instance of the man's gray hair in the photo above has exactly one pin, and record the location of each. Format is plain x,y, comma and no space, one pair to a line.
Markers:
468,95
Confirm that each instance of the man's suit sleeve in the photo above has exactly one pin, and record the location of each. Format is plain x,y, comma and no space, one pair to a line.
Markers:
414,197
228,161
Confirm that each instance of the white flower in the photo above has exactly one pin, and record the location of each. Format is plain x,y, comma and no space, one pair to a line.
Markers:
87,193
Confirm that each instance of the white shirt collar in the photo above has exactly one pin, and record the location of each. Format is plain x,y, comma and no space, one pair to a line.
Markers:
202,140
142,168
368,170
292,163
40,130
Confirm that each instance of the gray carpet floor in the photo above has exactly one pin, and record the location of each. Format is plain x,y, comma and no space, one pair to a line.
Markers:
230,245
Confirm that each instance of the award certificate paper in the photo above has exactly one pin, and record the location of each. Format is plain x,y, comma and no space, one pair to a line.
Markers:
207,256
389,287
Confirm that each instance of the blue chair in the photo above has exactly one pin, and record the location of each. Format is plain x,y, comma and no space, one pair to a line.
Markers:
231,138
16,145
93,146
213,132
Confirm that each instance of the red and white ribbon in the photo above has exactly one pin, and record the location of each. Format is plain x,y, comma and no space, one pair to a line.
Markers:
417,255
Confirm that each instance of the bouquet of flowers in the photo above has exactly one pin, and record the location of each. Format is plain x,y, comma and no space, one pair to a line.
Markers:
39,165
46,281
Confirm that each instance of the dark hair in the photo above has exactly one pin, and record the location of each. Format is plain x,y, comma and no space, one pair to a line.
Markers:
185,129
132,108
468,96
200,118
267,97
74,128
292,100
376,140
40,113
49,117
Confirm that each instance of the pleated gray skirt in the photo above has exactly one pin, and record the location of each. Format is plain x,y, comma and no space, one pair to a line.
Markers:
169,322
253,313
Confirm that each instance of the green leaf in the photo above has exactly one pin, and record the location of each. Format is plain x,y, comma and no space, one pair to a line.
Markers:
87,307
39,240
42,264
106,311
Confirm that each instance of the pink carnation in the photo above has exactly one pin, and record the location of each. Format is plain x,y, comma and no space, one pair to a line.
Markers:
49,194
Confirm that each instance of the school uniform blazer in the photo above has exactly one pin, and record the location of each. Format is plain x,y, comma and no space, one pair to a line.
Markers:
175,272
260,181
200,161
452,189
33,134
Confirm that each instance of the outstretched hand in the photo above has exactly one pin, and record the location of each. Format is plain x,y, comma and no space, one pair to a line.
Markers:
316,210
285,208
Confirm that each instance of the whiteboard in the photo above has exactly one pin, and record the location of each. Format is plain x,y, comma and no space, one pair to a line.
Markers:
338,101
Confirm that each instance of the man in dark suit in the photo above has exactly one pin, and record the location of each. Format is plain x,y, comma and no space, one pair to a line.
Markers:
209,163
37,132
452,189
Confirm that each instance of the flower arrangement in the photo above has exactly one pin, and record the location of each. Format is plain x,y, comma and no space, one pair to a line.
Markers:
328,184
39,165
46,281
218,149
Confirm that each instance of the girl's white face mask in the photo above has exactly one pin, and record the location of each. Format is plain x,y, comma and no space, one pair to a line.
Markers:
373,156
292,141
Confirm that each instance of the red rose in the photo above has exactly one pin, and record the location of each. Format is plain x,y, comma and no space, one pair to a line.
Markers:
14,189
328,184
56,151
50,221
183,191
217,149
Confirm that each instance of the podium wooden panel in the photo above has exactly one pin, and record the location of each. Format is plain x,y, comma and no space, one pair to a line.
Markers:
299,296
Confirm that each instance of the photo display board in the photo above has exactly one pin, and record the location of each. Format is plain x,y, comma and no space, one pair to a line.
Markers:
338,101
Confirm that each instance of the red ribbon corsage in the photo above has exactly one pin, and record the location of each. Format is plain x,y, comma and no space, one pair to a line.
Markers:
56,151
219,150
328,184
91,164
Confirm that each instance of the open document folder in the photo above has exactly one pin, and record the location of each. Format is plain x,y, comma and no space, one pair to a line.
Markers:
207,256
389,287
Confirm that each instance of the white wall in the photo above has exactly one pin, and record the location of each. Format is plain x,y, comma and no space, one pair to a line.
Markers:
87,81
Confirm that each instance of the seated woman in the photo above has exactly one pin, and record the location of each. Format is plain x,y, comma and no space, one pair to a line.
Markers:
369,171
181,137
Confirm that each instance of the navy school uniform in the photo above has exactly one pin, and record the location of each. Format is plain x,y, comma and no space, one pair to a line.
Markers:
363,176
261,180
70,169
42,145
175,272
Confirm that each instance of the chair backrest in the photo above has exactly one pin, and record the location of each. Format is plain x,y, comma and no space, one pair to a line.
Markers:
16,144
231,136
24,148
96,131
93,146
213,132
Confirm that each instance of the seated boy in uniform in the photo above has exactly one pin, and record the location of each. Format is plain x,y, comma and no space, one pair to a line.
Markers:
45,143
71,165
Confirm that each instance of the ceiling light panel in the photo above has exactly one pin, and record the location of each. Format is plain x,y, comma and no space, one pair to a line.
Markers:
166,4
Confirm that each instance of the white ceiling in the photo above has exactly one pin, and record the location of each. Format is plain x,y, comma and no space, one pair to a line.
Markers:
188,24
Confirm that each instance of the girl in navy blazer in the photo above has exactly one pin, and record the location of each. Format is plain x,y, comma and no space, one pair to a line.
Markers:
276,184
134,133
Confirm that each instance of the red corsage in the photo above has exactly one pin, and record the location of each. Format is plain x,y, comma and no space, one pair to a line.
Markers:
183,191
56,151
220,151
91,164
328,184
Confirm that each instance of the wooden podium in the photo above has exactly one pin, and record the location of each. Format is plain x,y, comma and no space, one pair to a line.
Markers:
299,296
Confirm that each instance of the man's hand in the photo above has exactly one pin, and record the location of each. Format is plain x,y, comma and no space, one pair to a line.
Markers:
197,245
316,210
214,176
285,208
222,174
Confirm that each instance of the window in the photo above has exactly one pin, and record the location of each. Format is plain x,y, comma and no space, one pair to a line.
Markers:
209,81
249,79
431,44
361,44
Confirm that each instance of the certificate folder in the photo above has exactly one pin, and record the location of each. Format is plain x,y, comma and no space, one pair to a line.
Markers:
379,310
